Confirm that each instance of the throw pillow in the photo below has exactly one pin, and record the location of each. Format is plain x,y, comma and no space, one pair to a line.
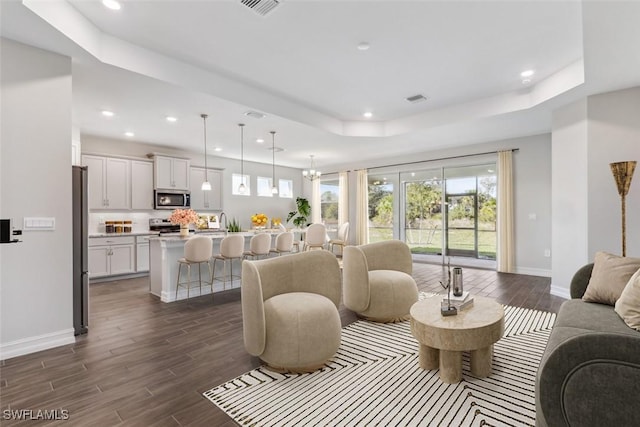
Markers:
628,305
610,275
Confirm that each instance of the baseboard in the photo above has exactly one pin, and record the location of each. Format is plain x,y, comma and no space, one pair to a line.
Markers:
37,343
532,271
560,292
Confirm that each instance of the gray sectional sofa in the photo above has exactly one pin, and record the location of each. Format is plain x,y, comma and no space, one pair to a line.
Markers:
589,374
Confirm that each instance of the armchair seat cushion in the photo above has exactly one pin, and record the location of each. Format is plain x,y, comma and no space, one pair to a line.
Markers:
302,330
392,295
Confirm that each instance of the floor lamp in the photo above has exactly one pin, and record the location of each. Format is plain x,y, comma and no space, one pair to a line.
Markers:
622,173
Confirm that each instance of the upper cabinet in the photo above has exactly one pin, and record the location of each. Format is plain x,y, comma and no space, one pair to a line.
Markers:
141,184
108,182
171,173
206,200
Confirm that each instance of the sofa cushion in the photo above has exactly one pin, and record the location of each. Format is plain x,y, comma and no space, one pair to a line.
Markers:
609,277
628,305
589,316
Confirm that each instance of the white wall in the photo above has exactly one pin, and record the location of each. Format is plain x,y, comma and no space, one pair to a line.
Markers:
532,183
587,136
35,180
614,136
569,195
240,207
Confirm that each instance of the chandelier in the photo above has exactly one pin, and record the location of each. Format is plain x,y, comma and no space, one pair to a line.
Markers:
312,174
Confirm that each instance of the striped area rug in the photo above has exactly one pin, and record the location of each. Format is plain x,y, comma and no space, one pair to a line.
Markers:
374,380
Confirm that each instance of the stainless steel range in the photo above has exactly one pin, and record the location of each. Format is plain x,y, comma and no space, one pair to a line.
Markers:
163,226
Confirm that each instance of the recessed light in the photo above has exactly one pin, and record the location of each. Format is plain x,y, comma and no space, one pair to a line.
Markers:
107,113
254,114
368,114
363,46
111,4
259,140
171,119
527,73
526,81
217,149
129,134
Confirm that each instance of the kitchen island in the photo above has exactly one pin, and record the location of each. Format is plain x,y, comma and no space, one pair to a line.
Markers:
166,250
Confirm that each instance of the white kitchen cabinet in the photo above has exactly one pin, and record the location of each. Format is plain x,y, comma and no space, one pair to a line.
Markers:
171,173
141,184
111,256
206,200
108,182
142,253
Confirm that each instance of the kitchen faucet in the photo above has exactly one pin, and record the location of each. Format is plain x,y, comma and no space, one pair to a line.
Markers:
222,214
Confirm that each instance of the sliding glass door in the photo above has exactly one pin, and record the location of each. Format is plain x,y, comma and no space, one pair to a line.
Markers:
381,208
422,197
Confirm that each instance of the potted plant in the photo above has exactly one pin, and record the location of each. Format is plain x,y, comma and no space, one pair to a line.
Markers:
234,226
301,215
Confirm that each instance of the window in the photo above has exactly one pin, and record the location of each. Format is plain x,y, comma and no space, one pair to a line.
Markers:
264,186
236,180
381,208
286,188
329,198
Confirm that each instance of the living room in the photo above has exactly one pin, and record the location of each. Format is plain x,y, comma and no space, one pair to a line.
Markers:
561,168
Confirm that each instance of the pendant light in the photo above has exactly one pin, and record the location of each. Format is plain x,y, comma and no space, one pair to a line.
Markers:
311,174
206,185
241,188
274,189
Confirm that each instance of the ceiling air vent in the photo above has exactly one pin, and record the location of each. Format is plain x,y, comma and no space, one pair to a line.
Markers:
261,7
254,115
416,98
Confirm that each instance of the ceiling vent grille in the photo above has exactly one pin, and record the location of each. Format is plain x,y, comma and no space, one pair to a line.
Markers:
416,98
261,7
276,149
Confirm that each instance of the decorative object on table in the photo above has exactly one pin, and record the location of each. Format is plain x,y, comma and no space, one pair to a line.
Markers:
234,226
459,302
206,222
312,174
275,222
206,185
360,367
457,281
448,309
259,220
622,173
184,217
274,187
301,215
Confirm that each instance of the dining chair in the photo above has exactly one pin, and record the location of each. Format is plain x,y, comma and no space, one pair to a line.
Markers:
341,238
197,250
315,237
231,247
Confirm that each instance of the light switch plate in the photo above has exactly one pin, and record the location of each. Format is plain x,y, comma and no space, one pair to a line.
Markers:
39,223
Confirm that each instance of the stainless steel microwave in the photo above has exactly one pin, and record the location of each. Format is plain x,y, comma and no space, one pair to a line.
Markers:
171,199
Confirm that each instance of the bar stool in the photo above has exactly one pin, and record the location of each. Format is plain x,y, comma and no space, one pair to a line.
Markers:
284,243
197,250
260,244
231,247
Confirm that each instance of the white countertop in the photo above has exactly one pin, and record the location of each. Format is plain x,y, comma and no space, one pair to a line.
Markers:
140,233
214,235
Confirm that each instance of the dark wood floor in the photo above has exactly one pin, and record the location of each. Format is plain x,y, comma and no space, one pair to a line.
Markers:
146,363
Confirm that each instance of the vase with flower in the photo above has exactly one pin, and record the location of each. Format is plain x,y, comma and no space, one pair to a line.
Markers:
183,217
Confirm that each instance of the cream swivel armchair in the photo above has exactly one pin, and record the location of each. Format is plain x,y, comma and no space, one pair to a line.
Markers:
377,282
315,237
341,239
284,243
231,247
290,310
197,250
259,245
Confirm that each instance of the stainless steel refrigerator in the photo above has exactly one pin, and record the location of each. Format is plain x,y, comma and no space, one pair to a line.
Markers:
80,251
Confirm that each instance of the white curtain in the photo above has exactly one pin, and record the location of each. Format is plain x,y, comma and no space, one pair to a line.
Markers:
506,244
362,209
316,212
343,197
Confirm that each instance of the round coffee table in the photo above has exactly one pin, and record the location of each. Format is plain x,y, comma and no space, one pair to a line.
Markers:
443,338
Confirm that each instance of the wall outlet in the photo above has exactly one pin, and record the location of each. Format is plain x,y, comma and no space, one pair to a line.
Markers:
547,253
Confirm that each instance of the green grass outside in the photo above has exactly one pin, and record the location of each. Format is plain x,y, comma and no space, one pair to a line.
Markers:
428,242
